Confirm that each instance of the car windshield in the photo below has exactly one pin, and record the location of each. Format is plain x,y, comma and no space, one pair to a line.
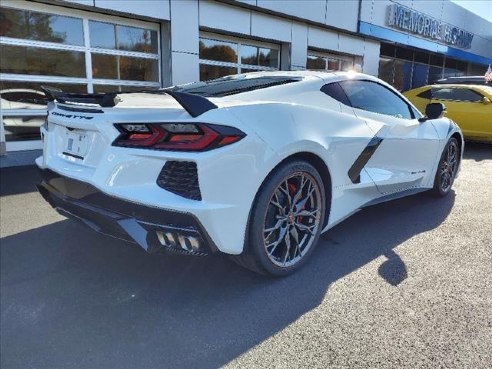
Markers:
233,85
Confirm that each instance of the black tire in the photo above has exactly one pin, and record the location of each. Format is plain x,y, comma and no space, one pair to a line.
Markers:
295,229
447,168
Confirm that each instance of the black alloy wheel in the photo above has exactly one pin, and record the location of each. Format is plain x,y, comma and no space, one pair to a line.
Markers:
447,168
285,221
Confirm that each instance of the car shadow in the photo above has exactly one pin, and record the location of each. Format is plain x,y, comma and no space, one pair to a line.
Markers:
73,298
18,180
477,151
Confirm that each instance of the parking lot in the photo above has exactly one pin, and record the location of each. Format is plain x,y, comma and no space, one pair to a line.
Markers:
402,284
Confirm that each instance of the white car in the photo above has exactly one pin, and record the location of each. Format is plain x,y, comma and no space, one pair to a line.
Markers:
23,100
255,165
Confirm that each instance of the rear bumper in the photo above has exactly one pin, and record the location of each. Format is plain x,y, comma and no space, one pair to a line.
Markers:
151,228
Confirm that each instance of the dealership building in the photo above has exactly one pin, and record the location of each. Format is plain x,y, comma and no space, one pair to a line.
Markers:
122,45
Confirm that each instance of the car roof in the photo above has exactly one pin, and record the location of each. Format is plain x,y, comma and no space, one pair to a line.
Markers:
308,74
485,88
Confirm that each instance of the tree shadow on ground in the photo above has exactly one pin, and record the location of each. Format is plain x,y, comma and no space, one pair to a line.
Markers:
72,298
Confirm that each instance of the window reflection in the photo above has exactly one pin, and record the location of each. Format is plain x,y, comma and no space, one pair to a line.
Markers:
41,61
403,75
253,55
386,69
102,35
104,66
218,50
419,75
112,36
137,69
24,104
215,71
249,54
316,63
137,39
32,25
268,57
235,57
24,107
329,62
346,65
124,68
407,68
121,88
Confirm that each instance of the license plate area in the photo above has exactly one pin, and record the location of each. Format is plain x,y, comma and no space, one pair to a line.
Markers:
76,143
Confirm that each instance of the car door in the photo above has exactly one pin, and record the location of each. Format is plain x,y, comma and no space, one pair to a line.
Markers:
403,152
467,108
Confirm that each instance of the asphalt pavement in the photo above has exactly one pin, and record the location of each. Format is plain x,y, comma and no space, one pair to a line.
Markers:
405,284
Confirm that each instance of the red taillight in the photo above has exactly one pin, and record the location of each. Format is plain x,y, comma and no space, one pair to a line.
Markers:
176,136
142,136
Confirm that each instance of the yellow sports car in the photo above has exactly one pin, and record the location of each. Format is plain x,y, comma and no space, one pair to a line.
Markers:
470,106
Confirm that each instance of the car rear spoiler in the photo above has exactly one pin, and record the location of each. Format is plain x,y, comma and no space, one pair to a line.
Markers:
195,105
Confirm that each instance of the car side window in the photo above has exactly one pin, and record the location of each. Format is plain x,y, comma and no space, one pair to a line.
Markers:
427,94
335,91
371,96
456,94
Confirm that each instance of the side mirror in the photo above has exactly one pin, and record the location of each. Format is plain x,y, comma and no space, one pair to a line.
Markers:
435,110
486,100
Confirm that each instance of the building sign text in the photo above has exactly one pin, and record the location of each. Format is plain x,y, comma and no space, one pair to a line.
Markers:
408,19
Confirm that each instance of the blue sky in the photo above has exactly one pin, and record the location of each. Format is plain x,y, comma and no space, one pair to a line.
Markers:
481,7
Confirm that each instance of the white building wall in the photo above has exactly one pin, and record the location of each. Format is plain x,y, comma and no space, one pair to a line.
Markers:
219,16
147,8
314,10
299,47
342,14
184,42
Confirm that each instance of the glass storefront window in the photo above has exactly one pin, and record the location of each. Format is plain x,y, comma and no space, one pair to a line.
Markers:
24,107
267,57
67,87
252,55
403,75
138,69
329,62
103,35
41,61
386,69
52,48
405,68
435,73
346,65
137,39
104,66
218,50
208,72
219,58
124,68
249,54
419,75
31,25
116,37
316,62
121,88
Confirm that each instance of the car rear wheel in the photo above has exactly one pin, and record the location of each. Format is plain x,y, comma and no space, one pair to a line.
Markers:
447,168
285,221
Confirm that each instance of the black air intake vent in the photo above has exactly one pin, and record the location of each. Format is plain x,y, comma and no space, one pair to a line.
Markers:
181,178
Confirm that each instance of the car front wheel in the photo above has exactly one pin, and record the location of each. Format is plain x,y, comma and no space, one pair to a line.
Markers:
285,221
447,168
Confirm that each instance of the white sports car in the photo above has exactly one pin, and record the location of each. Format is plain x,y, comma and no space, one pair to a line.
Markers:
255,165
